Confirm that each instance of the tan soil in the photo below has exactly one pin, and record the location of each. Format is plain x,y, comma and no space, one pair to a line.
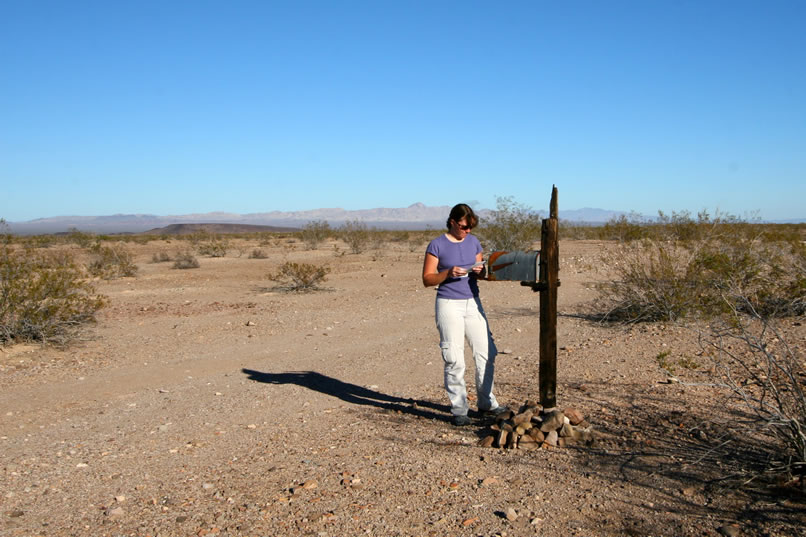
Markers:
206,403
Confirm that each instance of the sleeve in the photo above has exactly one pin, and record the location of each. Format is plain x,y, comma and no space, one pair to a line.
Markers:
433,249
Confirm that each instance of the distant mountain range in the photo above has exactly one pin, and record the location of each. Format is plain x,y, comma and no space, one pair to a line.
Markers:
416,216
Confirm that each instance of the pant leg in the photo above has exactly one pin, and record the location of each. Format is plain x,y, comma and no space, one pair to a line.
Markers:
451,326
481,343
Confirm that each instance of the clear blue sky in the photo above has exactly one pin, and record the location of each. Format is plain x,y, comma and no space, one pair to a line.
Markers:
170,107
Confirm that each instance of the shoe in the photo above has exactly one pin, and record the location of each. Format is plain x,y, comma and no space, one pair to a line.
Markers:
494,412
461,421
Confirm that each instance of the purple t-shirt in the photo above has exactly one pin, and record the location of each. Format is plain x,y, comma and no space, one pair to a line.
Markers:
456,254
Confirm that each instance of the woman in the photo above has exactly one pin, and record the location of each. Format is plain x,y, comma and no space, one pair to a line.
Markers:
453,262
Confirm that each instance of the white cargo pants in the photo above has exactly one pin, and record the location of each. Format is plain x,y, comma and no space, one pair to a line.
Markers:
457,320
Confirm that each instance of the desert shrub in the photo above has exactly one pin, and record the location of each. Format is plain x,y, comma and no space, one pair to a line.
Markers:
80,238
356,234
727,265
299,277
214,246
315,233
510,227
162,257
624,228
43,296
111,262
753,361
258,253
185,260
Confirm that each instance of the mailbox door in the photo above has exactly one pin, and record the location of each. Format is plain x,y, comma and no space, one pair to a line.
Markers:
513,266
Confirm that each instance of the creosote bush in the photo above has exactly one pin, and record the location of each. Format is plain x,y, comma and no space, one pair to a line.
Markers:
356,234
162,257
511,227
315,233
111,262
43,296
704,269
185,260
299,277
258,253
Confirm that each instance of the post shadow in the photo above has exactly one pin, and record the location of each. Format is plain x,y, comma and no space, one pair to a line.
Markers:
352,393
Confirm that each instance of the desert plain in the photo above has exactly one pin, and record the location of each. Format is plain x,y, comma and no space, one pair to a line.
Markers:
208,402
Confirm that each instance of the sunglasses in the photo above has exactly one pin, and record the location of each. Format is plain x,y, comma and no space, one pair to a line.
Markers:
463,228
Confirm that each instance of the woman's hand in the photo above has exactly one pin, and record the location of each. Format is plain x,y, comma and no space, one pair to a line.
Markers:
457,272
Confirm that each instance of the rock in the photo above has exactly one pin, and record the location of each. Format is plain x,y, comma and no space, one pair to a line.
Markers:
731,530
537,434
470,521
574,416
487,481
487,441
310,484
552,421
688,491
207,486
16,513
120,499
502,438
566,431
505,351
551,438
512,515
250,323
523,417
117,512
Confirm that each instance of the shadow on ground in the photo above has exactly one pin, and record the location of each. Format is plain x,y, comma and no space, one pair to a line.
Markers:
353,393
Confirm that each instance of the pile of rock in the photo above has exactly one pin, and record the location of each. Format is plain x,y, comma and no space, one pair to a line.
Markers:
535,427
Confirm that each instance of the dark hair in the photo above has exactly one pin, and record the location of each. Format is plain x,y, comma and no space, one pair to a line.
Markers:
460,211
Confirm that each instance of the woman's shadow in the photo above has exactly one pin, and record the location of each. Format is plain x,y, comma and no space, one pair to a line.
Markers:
352,393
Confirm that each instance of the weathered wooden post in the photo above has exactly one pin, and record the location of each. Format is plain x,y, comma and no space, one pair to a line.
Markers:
540,271
549,271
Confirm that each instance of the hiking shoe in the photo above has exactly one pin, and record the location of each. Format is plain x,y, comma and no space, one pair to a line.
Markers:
495,412
461,421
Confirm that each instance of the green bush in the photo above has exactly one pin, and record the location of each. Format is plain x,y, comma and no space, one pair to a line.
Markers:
720,265
511,227
356,234
299,277
43,296
111,262
315,233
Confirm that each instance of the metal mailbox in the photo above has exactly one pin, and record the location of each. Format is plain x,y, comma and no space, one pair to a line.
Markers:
513,266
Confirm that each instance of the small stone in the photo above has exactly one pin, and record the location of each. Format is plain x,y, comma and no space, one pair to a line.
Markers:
181,518
251,426
505,351
250,323
120,499
487,441
574,416
566,431
82,465
470,521
311,484
219,393
512,515
551,438
731,530
688,491
535,521
15,514
552,421
487,481
117,512
207,486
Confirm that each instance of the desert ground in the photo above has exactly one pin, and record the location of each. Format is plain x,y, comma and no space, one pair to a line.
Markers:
206,402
